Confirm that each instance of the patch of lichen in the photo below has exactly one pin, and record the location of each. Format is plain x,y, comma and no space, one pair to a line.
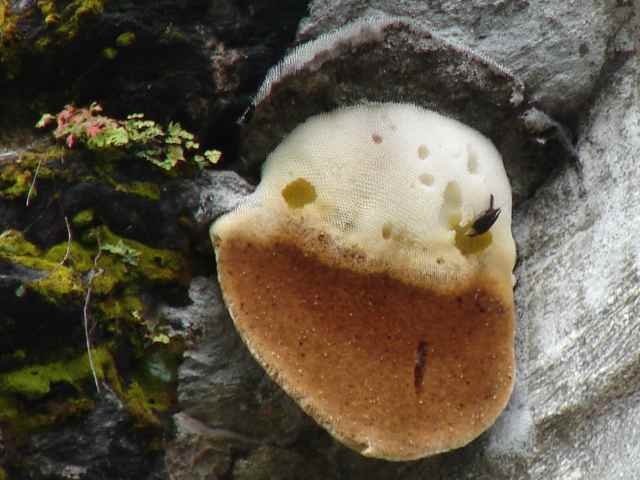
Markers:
16,177
152,391
30,397
35,381
143,189
27,398
13,243
84,218
57,283
61,22
152,265
65,19
122,281
9,57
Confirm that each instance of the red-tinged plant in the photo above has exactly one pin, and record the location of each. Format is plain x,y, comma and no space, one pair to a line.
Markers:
164,147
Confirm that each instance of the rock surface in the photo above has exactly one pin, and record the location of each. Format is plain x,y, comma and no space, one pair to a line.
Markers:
575,409
561,50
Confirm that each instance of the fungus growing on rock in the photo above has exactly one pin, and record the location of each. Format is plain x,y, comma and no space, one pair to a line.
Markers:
353,282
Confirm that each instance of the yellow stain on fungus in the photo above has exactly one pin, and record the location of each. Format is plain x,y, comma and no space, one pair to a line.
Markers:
299,193
464,243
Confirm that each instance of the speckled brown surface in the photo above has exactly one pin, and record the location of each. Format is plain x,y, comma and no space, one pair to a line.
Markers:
392,370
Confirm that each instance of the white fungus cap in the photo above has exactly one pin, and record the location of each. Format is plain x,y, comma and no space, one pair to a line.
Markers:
351,276
393,180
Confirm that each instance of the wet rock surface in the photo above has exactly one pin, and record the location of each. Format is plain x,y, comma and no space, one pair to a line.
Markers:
562,51
206,409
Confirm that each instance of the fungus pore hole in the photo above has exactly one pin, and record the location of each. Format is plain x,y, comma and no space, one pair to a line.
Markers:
386,231
299,193
426,179
452,196
472,162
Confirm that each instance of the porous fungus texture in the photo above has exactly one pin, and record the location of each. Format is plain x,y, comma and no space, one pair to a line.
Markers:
352,276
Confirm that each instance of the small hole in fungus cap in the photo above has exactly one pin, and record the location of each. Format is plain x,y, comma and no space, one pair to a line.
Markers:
452,196
386,231
423,152
426,179
472,161
376,137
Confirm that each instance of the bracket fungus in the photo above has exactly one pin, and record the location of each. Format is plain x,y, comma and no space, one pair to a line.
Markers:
352,278
370,272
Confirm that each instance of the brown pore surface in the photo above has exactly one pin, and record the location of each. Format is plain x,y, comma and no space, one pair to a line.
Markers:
392,370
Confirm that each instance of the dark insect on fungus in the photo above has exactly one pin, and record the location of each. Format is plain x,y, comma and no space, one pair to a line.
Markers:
484,222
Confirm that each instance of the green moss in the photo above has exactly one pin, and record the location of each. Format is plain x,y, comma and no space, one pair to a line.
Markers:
12,242
84,218
110,53
35,381
61,284
15,182
153,264
20,387
152,391
128,307
143,189
67,282
66,22
16,177
61,23
3,474
9,56
139,405
126,39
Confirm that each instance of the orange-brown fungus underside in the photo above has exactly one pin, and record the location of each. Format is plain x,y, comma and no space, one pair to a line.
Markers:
372,357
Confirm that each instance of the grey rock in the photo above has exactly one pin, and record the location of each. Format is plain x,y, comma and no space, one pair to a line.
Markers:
100,446
579,298
221,387
559,49
271,463
198,452
219,192
384,58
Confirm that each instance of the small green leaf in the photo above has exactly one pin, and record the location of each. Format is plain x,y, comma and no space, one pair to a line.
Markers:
126,39
45,120
128,254
213,156
109,53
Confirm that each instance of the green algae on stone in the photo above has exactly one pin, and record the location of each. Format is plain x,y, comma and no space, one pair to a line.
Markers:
154,264
35,381
110,53
127,306
84,218
12,242
67,282
142,189
16,177
14,182
61,21
61,284
126,39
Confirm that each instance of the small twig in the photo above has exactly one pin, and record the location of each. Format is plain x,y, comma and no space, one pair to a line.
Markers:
33,182
95,271
69,239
